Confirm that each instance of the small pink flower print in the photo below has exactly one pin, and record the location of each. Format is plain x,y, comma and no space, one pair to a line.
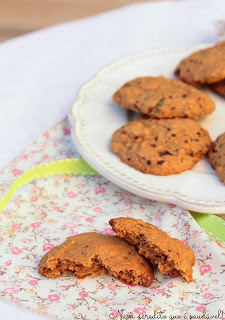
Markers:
13,299
15,250
46,134
35,189
48,246
45,156
127,193
54,297
139,311
201,308
26,240
56,208
66,204
71,194
7,263
10,291
83,294
33,282
109,231
205,268
73,233
70,225
131,285
35,225
208,295
219,244
63,288
172,276
68,154
158,291
16,172
17,201
158,216
97,209
99,190
185,241
171,206
111,286
170,285
33,199
16,226
23,156
115,314
71,306
66,131
1,239
128,201
89,219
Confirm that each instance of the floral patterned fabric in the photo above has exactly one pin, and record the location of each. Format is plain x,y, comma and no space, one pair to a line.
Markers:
43,213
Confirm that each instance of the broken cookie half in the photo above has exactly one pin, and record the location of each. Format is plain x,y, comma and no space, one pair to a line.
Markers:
168,254
96,254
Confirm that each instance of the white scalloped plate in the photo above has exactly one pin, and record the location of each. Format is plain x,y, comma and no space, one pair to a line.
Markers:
94,117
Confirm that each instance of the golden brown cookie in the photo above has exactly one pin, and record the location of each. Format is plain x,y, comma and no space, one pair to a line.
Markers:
95,254
219,87
216,157
168,254
163,98
204,66
161,147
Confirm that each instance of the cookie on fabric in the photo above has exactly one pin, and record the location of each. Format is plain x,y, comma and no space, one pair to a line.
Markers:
163,98
96,254
161,147
168,254
204,66
219,87
216,157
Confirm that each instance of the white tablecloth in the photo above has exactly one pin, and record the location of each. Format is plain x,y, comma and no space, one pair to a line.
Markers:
41,72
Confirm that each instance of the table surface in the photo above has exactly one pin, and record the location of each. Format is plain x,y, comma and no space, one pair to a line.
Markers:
18,17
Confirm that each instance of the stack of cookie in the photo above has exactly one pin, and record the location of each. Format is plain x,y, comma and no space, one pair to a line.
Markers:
128,256
207,67
167,140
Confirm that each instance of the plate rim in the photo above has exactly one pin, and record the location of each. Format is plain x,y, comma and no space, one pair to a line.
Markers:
155,193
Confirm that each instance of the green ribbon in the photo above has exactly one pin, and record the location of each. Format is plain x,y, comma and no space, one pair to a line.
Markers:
210,223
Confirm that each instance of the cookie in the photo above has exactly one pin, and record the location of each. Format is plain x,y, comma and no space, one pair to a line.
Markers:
95,254
161,147
204,66
216,157
163,98
219,87
168,254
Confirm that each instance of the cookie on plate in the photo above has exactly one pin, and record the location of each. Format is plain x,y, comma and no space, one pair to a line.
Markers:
95,254
217,157
168,254
219,87
161,147
163,98
204,66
